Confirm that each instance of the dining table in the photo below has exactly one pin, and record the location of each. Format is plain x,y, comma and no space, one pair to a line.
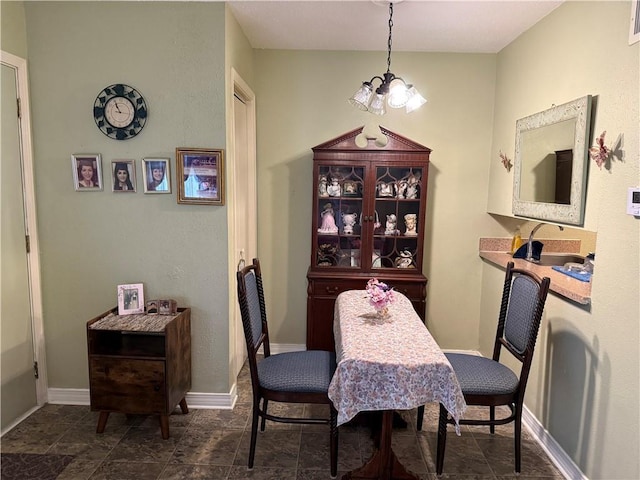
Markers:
387,362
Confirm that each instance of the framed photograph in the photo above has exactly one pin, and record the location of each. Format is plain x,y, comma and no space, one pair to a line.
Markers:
167,307
87,172
123,173
156,176
130,299
151,308
200,176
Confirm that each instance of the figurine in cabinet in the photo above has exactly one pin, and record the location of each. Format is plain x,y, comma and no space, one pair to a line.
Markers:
328,225
322,186
391,225
386,189
413,183
405,260
349,220
334,189
411,222
402,188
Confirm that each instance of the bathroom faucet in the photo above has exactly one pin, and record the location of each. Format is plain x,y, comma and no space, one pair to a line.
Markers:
529,257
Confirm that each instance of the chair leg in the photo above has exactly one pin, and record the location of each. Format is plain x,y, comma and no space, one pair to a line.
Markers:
264,420
492,417
333,441
254,432
420,415
442,439
517,436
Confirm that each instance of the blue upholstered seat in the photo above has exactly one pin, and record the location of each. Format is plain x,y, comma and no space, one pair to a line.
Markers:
482,376
308,371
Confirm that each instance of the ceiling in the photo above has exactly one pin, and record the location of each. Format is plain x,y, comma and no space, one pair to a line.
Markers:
472,26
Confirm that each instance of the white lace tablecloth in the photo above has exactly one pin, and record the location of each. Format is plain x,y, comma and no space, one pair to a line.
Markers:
388,364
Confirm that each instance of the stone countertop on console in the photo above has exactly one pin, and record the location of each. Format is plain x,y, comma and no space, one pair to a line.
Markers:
496,251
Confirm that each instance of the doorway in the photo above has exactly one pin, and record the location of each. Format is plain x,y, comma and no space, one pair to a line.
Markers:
21,338
243,211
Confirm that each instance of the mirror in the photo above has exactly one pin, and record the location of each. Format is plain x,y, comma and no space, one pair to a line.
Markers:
550,165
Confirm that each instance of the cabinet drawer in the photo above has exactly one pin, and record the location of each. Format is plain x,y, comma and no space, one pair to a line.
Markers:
127,385
332,288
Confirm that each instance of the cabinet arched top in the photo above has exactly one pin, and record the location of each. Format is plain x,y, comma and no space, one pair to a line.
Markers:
395,142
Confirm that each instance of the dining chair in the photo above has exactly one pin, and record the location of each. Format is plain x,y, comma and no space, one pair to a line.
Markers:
292,377
487,381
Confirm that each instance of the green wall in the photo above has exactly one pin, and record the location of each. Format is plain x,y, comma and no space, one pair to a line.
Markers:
302,102
13,37
585,382
173,53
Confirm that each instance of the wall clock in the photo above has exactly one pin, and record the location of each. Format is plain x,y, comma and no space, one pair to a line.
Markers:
120,111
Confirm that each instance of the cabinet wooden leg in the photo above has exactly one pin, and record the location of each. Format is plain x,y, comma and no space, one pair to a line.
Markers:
164,426
102,422
183,406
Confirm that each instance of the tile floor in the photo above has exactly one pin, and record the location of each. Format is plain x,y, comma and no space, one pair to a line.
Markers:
214,444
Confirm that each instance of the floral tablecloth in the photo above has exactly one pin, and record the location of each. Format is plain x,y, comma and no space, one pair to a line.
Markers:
390,363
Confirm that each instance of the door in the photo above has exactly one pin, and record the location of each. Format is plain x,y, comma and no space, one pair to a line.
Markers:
244,214
19,393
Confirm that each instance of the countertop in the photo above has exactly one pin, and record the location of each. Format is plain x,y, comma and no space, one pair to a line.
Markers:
495,251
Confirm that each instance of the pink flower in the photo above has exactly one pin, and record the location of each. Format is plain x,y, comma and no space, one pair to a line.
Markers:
380,294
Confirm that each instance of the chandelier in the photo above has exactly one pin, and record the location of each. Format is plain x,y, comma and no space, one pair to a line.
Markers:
393,90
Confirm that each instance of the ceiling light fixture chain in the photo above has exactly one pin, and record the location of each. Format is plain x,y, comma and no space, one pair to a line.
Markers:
393,90
390,40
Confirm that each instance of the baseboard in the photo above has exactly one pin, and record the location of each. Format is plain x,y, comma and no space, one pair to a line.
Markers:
79,396
558,456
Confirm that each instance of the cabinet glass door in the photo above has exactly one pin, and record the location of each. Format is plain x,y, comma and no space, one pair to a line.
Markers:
397,204
339,206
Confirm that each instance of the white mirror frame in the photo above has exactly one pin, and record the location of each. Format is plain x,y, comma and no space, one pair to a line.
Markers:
572,213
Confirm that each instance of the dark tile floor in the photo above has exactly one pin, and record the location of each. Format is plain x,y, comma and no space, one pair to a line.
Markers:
214,444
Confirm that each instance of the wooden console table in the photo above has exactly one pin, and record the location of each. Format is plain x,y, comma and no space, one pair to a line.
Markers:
139,364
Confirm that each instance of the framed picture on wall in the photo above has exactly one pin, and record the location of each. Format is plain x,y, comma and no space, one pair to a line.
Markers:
200,176
156,176
130,299
123,173
87,172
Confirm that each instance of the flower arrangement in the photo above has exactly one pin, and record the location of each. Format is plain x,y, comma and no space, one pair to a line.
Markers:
380,295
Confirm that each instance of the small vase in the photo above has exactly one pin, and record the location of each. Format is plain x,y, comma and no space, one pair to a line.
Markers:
382,312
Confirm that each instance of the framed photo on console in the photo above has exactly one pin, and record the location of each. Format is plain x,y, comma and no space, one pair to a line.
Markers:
130,299
200,176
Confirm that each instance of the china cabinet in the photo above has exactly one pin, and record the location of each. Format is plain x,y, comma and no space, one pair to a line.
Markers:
369,209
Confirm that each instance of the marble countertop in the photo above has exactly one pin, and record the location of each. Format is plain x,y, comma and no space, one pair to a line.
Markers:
495,251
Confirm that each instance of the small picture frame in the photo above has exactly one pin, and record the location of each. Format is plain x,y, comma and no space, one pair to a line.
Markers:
151,307
87,172
200,176
156,176
123,174
161,307
130,299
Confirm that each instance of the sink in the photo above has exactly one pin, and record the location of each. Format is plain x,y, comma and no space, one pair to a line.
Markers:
551,259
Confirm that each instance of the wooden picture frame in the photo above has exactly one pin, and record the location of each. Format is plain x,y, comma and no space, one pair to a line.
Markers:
200,176
130,299
156,175
87,172
123,183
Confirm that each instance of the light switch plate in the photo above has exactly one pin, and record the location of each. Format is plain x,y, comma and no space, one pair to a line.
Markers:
633,201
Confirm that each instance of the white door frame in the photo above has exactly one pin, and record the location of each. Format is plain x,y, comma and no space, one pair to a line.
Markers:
240,89
19,65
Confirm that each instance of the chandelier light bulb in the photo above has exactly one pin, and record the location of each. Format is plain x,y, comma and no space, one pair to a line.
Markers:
392,90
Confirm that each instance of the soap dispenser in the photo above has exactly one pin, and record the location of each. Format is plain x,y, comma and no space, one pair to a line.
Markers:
516,241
